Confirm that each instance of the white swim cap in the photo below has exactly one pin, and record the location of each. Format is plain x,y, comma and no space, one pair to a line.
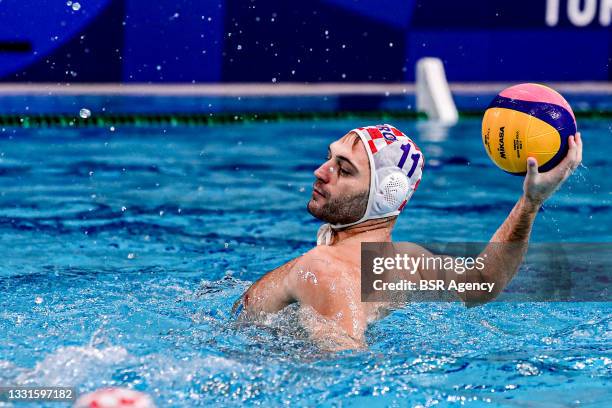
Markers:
396,166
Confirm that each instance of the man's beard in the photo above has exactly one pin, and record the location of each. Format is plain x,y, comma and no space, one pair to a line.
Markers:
342,210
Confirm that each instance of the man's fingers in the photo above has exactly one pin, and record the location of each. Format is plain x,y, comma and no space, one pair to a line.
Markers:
577,156
566,166
570,162
579,144
572,154
532,167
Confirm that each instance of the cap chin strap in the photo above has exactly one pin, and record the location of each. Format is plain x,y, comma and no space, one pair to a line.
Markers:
325,234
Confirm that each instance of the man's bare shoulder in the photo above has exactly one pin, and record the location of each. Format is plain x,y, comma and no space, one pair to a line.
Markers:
410,248
320,259
321,267
319,252
332,256
349,257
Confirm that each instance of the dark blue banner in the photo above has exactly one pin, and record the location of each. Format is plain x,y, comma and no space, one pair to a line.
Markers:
319,40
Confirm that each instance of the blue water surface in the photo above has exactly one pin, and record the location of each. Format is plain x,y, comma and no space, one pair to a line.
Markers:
123,250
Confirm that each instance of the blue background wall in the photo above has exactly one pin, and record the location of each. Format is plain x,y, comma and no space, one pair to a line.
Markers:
285,41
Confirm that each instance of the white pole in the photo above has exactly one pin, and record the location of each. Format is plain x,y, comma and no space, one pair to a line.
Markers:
433,93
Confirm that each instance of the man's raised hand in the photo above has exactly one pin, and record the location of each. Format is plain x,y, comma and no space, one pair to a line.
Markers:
539,186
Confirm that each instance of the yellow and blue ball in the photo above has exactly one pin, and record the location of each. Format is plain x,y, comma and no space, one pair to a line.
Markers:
527,120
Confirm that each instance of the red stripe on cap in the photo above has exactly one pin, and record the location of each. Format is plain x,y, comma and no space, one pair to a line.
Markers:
401,207
417,184
372,146
374,133
396,132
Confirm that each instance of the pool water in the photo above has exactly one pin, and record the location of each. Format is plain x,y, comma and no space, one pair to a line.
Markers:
123,250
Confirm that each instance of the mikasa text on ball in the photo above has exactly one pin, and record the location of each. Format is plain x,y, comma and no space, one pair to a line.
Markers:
527,120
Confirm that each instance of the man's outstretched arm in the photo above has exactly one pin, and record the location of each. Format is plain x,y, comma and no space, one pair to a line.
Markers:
506,249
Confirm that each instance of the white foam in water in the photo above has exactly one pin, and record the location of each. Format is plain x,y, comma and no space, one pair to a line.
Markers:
7,372
170,369
72,365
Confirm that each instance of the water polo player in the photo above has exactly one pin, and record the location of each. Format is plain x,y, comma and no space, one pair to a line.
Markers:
368,178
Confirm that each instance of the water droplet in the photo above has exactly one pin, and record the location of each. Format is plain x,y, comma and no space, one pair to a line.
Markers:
84,113
273,80
38,300
226,245
112,128
123,208
76,6
239,47
158,67
131,255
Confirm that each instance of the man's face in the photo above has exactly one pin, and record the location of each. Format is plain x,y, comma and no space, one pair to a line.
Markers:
340,193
